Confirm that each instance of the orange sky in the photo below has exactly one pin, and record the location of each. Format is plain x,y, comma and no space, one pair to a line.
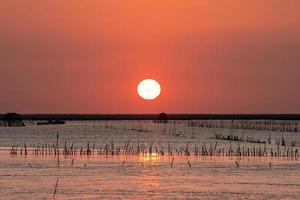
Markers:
210,56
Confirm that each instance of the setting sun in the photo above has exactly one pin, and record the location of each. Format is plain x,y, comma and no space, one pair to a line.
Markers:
148,89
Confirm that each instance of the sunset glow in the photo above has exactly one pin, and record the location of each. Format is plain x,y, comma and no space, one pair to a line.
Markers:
210,56
149,99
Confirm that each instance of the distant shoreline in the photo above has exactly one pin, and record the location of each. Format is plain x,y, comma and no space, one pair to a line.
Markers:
162,116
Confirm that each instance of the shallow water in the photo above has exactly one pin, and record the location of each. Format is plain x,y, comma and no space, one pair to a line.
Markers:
141,176
121,132
145,177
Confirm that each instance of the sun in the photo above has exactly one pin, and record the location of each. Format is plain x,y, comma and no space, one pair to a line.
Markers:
148,89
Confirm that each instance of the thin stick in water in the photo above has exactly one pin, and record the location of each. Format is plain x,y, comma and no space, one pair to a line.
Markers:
172,162
54,192
189,164
237,164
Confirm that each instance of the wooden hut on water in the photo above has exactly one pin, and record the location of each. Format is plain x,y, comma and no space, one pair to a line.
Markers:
11,120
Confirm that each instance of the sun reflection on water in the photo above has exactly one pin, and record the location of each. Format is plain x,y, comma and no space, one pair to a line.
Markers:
149,157
149,179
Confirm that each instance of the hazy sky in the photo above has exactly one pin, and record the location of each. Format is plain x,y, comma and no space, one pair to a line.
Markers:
210,56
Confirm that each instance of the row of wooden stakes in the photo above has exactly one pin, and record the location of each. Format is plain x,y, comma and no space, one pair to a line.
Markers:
138,149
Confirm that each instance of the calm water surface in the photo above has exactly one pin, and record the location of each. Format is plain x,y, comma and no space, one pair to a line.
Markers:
141,176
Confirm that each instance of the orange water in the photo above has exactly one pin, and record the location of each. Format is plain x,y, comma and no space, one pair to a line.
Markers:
148,177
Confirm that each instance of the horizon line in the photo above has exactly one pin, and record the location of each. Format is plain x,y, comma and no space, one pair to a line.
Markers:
159,116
